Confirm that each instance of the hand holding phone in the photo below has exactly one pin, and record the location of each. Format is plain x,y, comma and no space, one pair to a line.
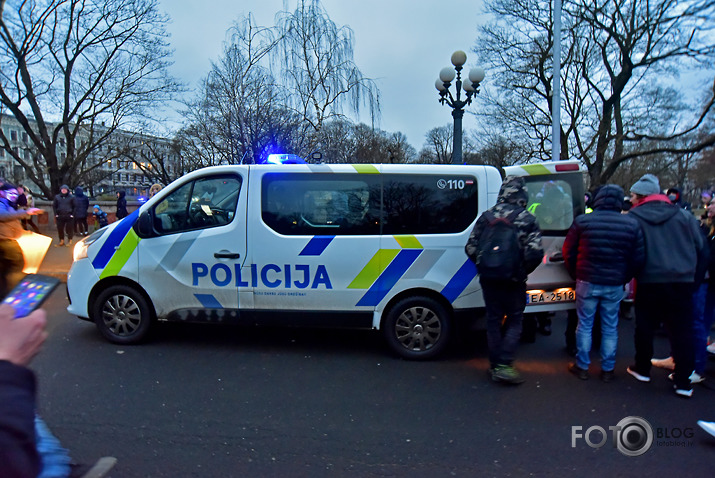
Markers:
30,293
21,340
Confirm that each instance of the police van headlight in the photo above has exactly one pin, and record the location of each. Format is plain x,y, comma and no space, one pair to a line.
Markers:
80,249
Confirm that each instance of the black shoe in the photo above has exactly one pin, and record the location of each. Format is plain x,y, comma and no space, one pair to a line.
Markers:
578,371
100,469
607,376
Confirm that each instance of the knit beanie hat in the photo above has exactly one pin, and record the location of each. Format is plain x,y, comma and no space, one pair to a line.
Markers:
646,185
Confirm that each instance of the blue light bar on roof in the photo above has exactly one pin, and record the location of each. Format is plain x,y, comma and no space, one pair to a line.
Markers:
284,159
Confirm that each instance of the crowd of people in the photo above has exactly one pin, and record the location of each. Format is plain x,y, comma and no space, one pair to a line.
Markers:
71,212
648,240
657,241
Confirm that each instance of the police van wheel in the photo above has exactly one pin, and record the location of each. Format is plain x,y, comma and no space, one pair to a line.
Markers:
417,328
122,315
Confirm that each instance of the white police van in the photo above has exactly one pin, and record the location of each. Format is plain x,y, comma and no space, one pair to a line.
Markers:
362,246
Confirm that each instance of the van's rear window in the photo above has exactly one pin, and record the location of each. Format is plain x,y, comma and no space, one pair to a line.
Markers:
362,204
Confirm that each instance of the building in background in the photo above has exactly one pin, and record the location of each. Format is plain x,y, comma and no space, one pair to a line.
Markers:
126,161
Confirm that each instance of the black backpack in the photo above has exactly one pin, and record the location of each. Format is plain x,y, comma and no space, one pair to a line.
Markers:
499,254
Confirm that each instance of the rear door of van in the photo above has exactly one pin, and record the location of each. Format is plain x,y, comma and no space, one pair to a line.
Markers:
556,197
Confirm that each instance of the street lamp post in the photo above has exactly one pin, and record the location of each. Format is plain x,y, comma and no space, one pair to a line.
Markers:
471,88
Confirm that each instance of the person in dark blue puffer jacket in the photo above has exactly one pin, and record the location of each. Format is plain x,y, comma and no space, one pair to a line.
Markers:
602,251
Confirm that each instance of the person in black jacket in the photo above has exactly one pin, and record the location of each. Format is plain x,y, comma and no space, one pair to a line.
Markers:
121,205
676,260
602,251
20,341
63,206
507,297
81,205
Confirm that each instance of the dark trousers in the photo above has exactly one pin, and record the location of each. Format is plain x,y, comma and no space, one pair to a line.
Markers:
672,305
505,302
11,264
80,225
28,224
65,225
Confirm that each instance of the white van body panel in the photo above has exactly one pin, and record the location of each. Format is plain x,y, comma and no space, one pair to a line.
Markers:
242,262
276,271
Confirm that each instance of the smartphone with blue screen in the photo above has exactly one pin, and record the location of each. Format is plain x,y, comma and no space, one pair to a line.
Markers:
30,293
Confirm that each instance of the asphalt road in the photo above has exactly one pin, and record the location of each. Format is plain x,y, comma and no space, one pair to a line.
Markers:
216,401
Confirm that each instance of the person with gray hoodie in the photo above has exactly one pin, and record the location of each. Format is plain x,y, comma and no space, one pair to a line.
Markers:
676,260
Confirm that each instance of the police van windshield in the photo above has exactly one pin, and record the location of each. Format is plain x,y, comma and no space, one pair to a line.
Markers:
555,201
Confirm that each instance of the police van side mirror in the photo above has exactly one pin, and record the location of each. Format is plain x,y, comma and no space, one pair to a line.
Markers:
144,226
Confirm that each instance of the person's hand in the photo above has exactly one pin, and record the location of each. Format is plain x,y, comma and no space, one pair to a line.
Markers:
21,339
34,211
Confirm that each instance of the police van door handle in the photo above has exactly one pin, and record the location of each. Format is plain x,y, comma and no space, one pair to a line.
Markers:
226,255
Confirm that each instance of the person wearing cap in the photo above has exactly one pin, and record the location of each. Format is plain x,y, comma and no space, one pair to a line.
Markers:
676,260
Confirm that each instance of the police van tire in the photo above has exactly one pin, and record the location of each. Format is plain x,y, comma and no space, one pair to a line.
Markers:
122,315
417,328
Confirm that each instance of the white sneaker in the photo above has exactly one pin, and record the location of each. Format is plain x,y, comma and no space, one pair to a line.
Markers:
711,348
681,392
99,470
695,377
707,426
666,363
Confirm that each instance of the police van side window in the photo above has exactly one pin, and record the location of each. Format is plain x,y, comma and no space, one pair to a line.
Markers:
206,202
429,204
300,204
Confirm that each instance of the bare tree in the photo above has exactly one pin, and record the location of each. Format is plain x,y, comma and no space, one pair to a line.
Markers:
239,115
318,67
245,110
496,150
399,149
438,146
73,72
344,142
622,58
337,142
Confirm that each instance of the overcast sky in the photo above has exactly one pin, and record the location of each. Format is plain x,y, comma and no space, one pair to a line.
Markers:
401,44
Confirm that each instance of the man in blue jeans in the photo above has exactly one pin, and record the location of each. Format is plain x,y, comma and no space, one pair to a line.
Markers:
602,251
